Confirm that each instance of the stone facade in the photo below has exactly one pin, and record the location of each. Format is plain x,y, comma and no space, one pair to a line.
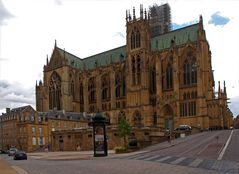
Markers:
157,83
29,130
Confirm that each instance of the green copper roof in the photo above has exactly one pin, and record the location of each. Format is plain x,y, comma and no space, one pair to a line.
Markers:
180,36
106,58
161,42
102,59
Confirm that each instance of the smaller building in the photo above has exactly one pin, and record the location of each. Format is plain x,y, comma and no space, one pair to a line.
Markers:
29,130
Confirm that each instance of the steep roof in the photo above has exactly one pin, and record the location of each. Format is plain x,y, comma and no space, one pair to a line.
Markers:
161,42
22,109
180,37
102,59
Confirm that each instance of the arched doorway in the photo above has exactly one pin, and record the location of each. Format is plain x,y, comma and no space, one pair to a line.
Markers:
167,113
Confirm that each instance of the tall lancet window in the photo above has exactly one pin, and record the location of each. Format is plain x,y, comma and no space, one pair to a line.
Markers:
133,71
55,92
135,39
169,76
138,70
194,71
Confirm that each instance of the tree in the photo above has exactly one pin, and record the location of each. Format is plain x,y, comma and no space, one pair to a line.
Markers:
124,129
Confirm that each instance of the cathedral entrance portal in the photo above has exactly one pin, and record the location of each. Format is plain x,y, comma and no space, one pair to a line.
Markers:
168,117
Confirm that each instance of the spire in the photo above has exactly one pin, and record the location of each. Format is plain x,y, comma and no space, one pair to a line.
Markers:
129,16
134,14
219,89
126,18
201,22
47,61
55,43
145,14
224,85
141,11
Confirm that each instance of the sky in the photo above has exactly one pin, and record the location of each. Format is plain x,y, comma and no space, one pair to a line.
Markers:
29,28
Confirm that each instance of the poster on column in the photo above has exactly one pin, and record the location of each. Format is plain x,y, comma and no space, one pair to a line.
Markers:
99,140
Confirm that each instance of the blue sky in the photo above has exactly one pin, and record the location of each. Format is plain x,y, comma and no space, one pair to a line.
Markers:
28,30
217,19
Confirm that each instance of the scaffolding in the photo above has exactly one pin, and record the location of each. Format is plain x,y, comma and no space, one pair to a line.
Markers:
160,19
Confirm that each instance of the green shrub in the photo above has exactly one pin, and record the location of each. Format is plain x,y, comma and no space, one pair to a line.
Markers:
120,149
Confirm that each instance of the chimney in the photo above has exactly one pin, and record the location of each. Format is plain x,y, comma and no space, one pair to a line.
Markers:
8,110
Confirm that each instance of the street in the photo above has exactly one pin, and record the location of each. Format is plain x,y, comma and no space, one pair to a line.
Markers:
197,153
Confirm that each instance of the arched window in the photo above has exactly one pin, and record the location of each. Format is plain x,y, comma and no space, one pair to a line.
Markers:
117,85
152,80
194,72
105,87
55,91
132,40
186,73
137,45
138,70
190,69
81,93
133,71
92,90
169,76
81,98
135,39
124,84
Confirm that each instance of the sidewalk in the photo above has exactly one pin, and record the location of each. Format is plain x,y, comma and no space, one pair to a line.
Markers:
5,168
88,155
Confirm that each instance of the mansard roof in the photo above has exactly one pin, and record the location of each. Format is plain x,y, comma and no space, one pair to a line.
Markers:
116,55
59,114
179,37
22,109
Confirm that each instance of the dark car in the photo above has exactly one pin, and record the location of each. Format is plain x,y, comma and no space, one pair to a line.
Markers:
183,127
12,151
20,155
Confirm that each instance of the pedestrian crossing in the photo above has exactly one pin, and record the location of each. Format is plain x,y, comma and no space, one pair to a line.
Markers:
222,166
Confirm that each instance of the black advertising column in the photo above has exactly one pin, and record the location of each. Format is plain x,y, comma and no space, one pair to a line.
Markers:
99,135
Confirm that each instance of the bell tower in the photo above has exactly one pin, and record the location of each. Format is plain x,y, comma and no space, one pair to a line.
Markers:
137,49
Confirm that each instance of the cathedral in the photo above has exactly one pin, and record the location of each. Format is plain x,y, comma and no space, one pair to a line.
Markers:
156,81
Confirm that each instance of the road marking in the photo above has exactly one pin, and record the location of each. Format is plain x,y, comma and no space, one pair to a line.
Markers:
225,147
178,160
163,159
196,162
19,170
151,157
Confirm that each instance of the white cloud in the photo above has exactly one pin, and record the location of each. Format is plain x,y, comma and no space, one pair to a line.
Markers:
15,95
88,27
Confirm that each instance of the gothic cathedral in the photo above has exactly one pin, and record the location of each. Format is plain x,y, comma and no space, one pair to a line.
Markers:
155,81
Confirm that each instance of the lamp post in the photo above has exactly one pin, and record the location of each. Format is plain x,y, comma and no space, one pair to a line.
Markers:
99,135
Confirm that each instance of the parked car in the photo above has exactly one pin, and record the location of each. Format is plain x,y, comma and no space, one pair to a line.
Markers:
12,151
2,151
20,155
183,127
